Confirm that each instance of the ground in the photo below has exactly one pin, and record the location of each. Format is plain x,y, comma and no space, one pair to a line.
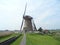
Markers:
37,39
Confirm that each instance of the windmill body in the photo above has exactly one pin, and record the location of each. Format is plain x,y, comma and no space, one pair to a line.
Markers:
28,23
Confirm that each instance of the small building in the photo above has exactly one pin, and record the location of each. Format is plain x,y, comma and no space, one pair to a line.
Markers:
46,31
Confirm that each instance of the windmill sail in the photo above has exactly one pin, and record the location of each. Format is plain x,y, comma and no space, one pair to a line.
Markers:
23,16
34,26
25,10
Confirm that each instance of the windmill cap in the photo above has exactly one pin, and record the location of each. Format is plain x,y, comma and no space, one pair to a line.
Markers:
27,17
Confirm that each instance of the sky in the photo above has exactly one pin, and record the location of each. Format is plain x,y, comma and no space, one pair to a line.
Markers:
45,13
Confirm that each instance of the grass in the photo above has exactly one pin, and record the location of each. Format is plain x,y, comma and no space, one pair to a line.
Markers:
17,42
35,39
3,38
57,36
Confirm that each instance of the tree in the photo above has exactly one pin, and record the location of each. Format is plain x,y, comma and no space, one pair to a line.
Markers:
40,29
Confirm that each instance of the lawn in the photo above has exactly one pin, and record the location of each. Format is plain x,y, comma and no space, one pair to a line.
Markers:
17,42
36,39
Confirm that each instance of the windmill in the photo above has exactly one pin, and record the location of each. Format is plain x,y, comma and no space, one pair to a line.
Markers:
27,20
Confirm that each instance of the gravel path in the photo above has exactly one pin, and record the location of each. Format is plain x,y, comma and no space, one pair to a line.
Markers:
23,42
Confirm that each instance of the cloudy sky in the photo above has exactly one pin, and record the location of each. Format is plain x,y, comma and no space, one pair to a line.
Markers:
46,13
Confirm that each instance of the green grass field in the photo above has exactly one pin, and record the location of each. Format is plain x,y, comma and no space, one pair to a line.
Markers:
17,42
36,39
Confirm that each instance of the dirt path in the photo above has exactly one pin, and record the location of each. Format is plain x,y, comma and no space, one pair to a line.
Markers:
23,42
